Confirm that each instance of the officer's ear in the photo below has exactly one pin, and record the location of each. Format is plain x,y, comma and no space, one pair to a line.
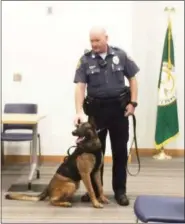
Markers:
107,38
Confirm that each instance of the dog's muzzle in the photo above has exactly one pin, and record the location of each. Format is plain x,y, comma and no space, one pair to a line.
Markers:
79,140
74,133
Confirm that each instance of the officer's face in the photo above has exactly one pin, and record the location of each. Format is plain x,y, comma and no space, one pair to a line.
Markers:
98,42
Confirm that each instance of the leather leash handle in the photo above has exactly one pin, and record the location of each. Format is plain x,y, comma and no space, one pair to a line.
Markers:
136,148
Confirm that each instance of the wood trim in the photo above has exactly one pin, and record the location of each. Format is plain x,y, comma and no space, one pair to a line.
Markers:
10,159
150,152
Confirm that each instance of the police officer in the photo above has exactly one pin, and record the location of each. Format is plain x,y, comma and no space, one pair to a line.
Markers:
102,71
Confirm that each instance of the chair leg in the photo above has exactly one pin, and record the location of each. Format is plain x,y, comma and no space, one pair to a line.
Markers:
30,151
39,141
39,158
39,162
2,152
137,221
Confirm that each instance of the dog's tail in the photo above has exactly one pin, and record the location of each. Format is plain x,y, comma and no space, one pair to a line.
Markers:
27,197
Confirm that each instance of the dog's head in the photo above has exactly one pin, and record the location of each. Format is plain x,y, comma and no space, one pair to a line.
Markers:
84,131
86,135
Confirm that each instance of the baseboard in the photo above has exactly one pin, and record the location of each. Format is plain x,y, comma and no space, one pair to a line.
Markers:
10,159
150,152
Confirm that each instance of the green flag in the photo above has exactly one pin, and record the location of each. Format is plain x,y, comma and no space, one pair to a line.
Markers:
167,125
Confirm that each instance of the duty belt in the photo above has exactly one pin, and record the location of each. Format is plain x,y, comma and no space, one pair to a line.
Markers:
106,100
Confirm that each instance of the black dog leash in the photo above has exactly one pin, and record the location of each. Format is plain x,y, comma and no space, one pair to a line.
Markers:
68,152
136,148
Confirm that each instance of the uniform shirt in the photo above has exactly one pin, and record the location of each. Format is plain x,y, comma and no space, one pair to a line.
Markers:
105,76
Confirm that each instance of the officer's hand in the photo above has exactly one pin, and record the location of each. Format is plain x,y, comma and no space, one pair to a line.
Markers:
79,118
129,110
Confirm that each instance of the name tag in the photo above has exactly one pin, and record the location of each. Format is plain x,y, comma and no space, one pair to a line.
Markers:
92,66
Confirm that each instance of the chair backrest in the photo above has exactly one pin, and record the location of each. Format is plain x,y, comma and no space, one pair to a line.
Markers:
19,108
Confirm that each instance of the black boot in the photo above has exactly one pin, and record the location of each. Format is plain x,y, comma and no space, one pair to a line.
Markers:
85,198
122,199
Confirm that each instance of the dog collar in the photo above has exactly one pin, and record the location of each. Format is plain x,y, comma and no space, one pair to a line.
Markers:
99,130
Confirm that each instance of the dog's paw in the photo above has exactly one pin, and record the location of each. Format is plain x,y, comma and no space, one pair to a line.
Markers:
97,204
65,204
104,200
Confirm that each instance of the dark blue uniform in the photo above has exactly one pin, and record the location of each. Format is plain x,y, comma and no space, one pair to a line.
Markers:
105,80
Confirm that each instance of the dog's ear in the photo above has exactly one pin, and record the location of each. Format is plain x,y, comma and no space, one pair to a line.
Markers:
92,122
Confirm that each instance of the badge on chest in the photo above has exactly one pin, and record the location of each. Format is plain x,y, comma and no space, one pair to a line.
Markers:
115,60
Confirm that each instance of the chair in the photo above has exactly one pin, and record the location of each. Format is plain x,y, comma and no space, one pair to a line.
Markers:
18,137
163,209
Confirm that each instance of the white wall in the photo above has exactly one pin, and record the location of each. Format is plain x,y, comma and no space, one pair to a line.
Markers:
45,49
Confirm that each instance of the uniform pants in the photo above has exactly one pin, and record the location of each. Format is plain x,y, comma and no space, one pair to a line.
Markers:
111,117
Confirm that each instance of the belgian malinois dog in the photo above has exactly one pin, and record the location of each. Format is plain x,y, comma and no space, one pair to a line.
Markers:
86,160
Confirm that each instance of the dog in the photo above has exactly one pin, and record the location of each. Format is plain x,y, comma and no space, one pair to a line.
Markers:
86,160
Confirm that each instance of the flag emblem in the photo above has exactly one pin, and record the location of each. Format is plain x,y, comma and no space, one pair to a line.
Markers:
167,94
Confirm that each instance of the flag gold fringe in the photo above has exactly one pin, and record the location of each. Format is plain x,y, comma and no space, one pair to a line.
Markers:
159,146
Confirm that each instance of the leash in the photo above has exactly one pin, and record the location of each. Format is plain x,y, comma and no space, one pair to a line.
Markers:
68,152
136,148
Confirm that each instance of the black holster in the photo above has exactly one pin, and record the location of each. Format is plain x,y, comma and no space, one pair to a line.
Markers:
90,107
125,97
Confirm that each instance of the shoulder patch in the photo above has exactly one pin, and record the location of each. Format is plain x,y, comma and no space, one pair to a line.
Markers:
78,64
87,52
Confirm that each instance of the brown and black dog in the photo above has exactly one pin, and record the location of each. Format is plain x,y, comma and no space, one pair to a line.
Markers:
86,160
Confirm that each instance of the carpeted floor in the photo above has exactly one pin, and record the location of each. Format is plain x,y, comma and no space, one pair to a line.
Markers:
156,177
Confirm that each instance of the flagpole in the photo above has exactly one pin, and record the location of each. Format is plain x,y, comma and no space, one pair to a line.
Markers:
162,155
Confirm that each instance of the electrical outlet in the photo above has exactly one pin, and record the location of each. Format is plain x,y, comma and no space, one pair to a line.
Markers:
17,77
49,10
